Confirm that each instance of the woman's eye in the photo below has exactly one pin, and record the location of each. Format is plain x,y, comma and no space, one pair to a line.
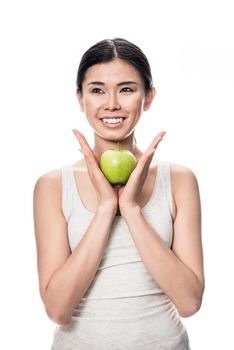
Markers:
97,91
127,89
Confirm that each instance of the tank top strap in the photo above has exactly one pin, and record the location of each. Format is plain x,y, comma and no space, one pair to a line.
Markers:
163,189
68,190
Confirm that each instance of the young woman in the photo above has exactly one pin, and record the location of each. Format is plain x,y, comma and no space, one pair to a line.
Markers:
118,266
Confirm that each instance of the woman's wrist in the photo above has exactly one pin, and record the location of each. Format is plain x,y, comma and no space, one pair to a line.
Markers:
130,209
107,209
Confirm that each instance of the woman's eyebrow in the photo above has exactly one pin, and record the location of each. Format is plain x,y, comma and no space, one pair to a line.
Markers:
119,84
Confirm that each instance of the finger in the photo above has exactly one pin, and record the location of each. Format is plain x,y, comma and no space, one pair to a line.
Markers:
90,159
159,138
88,153
149,153
96,156
80,137
147,161
85,148
147,157
83,152
156,141
82,140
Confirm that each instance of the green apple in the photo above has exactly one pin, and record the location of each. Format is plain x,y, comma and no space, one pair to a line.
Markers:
117,165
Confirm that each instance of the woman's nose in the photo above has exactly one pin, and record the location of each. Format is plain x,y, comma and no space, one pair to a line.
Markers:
112,102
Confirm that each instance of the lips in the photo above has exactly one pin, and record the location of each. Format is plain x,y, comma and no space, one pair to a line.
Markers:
112,122
112,117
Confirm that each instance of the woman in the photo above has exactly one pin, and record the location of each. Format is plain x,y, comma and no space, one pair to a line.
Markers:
118,266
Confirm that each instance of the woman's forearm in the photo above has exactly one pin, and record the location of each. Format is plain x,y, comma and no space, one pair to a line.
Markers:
68,284
176,279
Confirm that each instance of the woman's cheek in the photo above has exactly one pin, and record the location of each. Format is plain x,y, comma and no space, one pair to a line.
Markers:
135,104
91,104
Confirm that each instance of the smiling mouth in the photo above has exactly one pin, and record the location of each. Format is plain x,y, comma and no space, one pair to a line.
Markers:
112,121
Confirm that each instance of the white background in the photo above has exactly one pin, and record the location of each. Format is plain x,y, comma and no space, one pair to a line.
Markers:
190,47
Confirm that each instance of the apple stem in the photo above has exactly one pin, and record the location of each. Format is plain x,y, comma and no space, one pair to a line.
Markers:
118,145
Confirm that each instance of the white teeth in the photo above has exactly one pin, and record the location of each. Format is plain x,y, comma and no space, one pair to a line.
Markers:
112,120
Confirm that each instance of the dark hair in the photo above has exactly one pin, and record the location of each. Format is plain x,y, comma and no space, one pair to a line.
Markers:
109,49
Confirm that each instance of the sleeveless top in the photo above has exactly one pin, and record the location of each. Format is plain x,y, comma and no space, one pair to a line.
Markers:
123,308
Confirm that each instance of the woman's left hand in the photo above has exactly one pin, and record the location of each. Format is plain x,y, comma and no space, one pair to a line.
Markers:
129,194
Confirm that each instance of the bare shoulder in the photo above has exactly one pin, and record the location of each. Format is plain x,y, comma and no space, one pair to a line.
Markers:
49,183
182,175
181,170
52,176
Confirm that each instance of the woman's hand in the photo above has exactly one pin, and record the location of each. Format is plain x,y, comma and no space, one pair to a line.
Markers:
130,193
107,195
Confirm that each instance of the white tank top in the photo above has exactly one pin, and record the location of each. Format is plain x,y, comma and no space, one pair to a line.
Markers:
124,308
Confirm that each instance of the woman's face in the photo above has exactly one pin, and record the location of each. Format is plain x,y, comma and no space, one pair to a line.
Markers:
113,98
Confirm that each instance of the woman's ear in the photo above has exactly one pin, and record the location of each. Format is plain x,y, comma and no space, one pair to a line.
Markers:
80,100
149,98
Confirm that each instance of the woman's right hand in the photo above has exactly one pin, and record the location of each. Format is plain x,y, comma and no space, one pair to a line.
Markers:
107,195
